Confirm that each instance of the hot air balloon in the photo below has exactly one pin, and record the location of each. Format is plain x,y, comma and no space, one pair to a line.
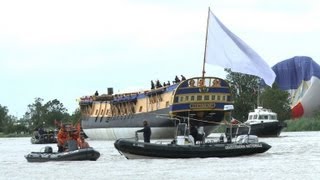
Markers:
300,76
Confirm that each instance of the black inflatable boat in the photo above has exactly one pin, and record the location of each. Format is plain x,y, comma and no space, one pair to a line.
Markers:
77,155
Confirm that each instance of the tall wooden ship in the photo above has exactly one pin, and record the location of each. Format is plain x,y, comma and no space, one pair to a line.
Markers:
197,101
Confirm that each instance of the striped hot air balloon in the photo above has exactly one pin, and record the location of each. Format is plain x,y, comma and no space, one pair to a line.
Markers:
300,76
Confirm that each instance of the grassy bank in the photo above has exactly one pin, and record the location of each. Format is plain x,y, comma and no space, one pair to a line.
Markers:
304,124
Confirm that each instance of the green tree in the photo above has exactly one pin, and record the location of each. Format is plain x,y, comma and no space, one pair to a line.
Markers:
21,125
35,114
3,117
44,115
75,117
248,94
277,100
55,111
244,90
6,120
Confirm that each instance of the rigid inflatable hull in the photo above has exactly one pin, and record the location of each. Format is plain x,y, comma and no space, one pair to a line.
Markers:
134,149
77,155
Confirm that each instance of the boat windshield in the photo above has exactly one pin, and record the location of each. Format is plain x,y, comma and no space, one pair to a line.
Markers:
181,129
263,117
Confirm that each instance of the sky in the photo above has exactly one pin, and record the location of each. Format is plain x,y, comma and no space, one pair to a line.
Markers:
66,49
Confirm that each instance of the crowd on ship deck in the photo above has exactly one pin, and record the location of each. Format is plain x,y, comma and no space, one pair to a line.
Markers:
159,85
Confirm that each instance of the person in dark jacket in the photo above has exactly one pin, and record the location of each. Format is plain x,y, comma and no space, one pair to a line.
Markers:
158,84
176,79
152,84
194,133
96,93
146,131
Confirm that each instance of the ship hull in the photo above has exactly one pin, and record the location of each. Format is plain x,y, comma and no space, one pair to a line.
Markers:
125,127
139,150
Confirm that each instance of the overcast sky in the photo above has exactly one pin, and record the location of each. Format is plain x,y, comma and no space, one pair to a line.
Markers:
67,49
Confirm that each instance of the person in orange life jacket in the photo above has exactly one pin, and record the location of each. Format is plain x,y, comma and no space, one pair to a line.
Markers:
146,131
62,138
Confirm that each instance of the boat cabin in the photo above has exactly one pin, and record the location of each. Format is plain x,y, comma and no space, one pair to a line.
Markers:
262,114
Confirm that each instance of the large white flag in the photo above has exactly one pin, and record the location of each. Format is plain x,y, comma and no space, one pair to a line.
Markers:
227,50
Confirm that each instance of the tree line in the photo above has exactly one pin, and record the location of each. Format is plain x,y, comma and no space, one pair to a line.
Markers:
39,114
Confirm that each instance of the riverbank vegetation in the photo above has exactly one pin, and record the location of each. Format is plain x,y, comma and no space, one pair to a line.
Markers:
40,114
249,92
304,124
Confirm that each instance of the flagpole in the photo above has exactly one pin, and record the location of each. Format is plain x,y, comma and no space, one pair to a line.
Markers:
205,49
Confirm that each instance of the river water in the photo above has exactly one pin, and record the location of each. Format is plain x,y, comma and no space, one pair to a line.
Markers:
294,155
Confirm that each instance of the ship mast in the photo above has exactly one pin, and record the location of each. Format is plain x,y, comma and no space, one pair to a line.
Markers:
205,48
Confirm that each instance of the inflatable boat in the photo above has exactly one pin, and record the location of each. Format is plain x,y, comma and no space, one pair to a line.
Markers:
183,146
77,155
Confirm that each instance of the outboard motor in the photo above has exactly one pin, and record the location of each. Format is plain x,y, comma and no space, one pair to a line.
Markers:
48,149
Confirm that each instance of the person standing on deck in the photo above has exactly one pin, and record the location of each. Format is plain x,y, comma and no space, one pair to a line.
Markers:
152,85
176,79
146,132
